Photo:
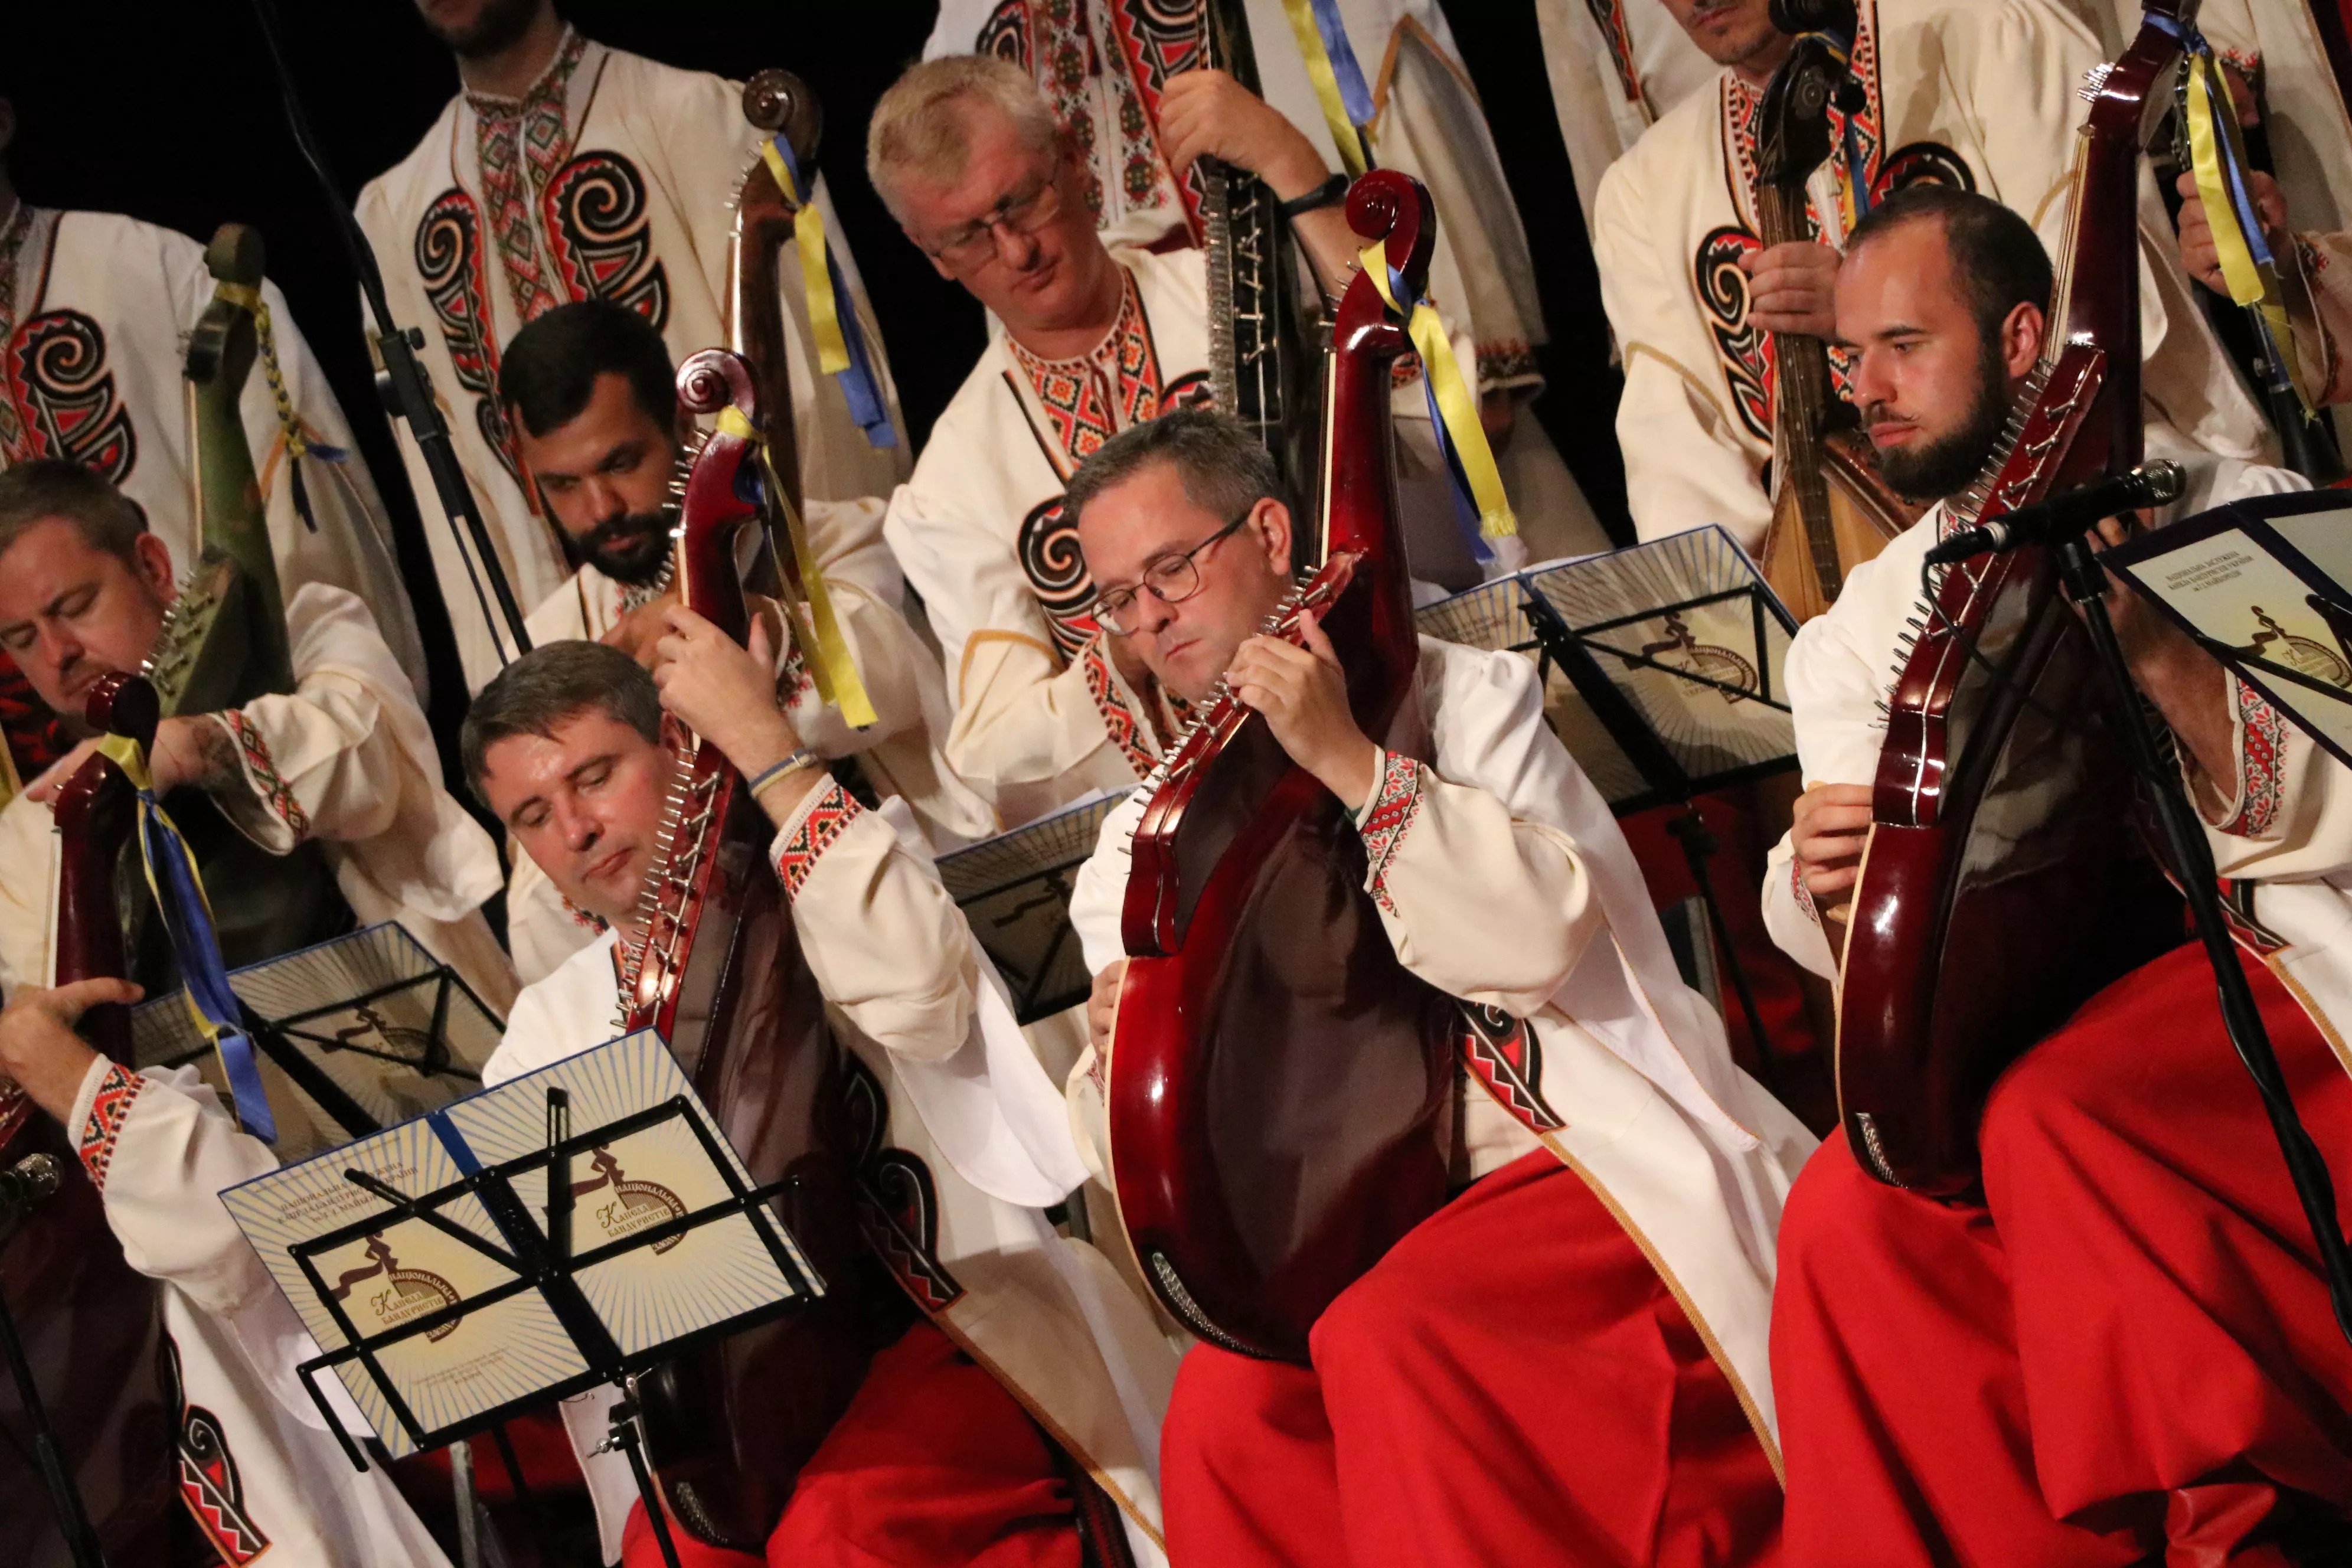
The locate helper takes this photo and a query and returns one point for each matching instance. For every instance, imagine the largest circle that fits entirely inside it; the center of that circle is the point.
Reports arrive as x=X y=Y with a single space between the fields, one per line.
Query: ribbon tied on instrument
x=299 y=443
x=187 y=914
x=2218 y=158
x=1338 y=79
x=830 y=666
x=840 y=344
x=1453 y=407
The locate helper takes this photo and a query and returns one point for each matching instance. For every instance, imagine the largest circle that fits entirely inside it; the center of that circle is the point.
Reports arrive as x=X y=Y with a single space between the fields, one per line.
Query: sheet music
x=394 y=1027
x=1015 y=889
x=516 y=1349
x=1684 y=626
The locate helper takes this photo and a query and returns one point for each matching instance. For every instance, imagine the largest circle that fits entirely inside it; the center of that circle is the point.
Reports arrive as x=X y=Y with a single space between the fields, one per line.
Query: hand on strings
x=1208 y=114
x=38 y=1047
x=637 y=630
x=1792 y=287
x=196 y=750
x=722 y=691
x=1303 y=693
x=2199 y=256
x=1102 y=1005
x=1827 y=834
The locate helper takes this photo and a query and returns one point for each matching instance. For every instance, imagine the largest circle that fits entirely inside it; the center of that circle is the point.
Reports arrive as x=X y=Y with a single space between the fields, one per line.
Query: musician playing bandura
x=1566 y=1363
x=255 y=1464
x=563 y=170
x=940 y=1458
x=2122 y=1349
x=1975 y=93
x=1093 y=340
x=306 y=811
x=591 y=396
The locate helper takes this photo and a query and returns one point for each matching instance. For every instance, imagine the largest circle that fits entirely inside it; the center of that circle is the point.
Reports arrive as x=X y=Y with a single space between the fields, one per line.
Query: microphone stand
x=65 y=1498
x=2084 y=583
x=404 y=384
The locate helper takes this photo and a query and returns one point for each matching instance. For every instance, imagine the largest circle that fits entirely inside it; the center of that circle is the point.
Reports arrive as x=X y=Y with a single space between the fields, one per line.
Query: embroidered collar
x=1104 y=354
x=1094 y=396
x=551 y=83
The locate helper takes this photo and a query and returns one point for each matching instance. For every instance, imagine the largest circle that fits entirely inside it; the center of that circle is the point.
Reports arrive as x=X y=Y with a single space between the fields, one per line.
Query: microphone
x=24 y=1184
x=2063 y=516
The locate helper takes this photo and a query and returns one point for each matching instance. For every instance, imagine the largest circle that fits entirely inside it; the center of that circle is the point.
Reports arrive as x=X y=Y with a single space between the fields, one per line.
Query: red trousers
x=1511 y=1385
x=2128 y=1350
x=932 y=1464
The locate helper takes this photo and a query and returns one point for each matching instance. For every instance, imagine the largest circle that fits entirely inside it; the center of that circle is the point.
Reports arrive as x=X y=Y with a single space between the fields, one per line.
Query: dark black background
x=168 y=111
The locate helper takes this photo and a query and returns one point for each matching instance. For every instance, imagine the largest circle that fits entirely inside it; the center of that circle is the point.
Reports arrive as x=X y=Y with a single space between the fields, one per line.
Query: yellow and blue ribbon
x=1337 y=79
x=840 y=351
x=187 y=914
x=2217 y=156
x=1483 y=509
x=830 y=666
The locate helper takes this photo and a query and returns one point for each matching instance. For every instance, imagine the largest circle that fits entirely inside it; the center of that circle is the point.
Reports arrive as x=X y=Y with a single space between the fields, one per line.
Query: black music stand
x=1621 y=628
x=531 y=1264
x=1015 y=889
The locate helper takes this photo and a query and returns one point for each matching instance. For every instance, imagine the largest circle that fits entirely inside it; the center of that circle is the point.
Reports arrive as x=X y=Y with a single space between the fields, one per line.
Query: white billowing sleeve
x=158 y=1147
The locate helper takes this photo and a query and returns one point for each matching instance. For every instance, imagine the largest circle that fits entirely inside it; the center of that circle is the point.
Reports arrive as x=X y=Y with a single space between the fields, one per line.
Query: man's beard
x=499 y=26
x=630 y=548
x=1932 y=470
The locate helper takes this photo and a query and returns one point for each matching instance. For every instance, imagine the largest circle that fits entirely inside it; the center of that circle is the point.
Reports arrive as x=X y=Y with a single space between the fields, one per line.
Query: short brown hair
x=1225 y=469
x=550 y=685
x=48 y=488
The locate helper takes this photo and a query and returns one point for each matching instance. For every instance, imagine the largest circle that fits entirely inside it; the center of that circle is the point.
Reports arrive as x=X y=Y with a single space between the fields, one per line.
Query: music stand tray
x=353 y=1034
x=2260 y=584
x=1015 y=889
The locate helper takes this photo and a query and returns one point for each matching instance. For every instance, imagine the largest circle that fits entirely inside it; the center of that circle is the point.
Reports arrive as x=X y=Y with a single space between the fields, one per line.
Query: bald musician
x=1566 y=1363
x=1090 y=341
x=2124 y=1350
x=1979 y=94
x=1024 y=1341
x=563 y=170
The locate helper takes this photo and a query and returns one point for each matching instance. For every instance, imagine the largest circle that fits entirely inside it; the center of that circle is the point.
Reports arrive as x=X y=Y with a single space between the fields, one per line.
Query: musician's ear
x=2020 y=340
x=150 y=562
x=1270 y=522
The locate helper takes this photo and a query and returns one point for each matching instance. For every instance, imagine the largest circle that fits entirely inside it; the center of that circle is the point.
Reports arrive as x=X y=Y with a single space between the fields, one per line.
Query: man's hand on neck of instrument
x=193 y=753
x=1303 y=693
x=39 y=1051
x=1208 y=114
x=726 y=693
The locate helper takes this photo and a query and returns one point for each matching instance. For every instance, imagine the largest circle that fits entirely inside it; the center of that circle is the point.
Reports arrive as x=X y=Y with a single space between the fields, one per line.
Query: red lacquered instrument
x=2003 y=883
x=718 y=972
x=93 y=1326
x=1278 y=1081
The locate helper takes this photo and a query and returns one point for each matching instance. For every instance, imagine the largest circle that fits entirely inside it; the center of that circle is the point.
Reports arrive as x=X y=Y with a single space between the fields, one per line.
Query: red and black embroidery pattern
x=601 y=233
x=1609 y=15
x=34 y=736
x=66 y=405
x=1503 y=1053
x=448 y=252
x=103 y=1127
x=897 y=1206
x=2261 y=752
x=15 y=239
x=1126 y=729
x=1743 y=350
x=1923 y=164
x=210 y=1484
x=521 y=144
x=276 y=793
x=826 y=819
x=1056 y=569
x=1157 y=39
x=1395 y=805
x=1087 y=401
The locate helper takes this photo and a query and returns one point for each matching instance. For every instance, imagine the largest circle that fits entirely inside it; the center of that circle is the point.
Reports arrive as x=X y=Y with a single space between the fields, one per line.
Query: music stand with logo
x=448 y=1270
x=1675 y=651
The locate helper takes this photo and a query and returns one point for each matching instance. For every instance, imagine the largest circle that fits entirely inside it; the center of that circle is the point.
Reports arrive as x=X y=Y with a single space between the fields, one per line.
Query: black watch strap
x=1329 y=193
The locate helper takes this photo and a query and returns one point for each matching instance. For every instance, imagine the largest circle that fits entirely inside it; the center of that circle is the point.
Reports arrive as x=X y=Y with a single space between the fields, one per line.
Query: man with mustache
x=2123 y=1349
x=590 y=394
x=557 y=156
x=1979 y=94
x=1565 y=1364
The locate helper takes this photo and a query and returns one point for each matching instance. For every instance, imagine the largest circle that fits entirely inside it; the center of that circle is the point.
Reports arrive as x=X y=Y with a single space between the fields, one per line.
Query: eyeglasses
x=1023 y=210
x=1171 y=578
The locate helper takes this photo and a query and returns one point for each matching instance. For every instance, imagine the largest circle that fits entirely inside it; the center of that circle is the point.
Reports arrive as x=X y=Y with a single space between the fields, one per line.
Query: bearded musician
x=2125 y=1350
x=1579 y=1334
x=943 y=1455
x=1979 y=94
x=1140 y=96
x=308 y=810
x=590 y=398
x=564 y=171
x=1092 y=341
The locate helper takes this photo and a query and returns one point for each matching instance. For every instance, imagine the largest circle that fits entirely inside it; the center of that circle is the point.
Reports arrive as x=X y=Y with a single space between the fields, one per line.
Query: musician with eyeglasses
x=564 y=170
x=2120 y=1348
x=1566 y=1363
x=1090 y=341
x=1020 y=1359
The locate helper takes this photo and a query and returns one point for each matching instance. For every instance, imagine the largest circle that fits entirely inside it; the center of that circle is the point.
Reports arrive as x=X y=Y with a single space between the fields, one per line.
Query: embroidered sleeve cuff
x=287 y=824
x=2261 y=749
x=822 y=817
x=100 y=1112
x=1111 y=699
x=1804 y=894
x=1384 y=820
